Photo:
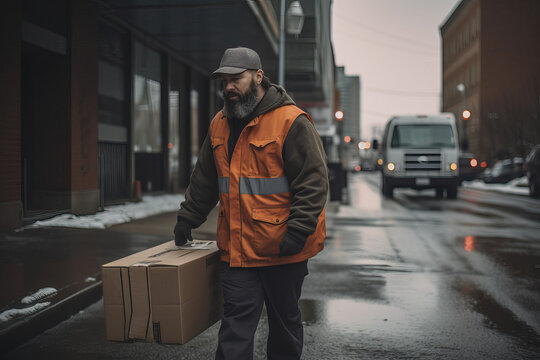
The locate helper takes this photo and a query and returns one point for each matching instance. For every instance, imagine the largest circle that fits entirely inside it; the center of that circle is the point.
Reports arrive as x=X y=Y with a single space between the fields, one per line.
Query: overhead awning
x=199 y=31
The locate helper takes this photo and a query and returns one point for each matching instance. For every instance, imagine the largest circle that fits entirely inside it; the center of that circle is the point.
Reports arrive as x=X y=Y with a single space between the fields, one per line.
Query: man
x=265 y=162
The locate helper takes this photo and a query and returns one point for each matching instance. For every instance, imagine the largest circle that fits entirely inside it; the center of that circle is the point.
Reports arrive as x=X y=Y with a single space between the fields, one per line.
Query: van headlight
x=390 y=166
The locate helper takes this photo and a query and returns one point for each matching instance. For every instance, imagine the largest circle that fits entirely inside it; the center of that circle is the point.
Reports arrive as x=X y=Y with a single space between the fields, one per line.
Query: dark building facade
x=349 y=103
x=104 y=98
x=107 y=99
x=491 y=67
x=49 y=122
x=310 y=69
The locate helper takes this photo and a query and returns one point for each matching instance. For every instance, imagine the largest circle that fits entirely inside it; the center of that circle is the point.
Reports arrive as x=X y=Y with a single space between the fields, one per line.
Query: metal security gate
x=113 y=172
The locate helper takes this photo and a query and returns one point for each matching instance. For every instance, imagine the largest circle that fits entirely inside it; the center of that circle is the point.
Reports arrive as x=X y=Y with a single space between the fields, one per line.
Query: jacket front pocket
x=270 y=224
x=264 y=157
x=223 y=230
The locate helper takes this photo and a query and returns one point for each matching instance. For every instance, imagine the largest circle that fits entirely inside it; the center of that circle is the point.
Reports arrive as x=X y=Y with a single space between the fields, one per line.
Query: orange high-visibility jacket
x=254 y=192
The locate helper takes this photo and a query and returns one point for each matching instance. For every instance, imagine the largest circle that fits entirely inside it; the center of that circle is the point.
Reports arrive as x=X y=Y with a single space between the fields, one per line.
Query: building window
x=112 y=65
x=174 y=138
x=111 y=94
x=194 y=99
x=147 y=100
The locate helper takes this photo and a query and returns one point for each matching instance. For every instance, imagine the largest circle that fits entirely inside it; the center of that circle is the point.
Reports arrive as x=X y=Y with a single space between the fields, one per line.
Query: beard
x=243 y=106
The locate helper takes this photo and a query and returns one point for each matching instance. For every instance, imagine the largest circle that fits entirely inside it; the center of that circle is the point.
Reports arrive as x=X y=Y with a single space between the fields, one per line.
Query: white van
x=420 y=152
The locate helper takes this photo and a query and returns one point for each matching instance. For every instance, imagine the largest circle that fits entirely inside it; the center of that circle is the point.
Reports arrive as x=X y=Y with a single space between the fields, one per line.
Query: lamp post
x=339 y=116
x=463 y=131
x=295 y=22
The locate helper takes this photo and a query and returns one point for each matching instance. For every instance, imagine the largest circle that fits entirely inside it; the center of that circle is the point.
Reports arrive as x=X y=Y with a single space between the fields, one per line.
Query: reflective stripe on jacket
x=254 y=194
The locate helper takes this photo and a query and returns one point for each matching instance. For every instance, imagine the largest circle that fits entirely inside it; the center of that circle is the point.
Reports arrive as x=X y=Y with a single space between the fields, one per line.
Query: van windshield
x=424 y=135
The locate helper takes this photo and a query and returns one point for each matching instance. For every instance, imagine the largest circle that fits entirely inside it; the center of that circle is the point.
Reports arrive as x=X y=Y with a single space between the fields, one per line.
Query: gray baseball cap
x=237 y=60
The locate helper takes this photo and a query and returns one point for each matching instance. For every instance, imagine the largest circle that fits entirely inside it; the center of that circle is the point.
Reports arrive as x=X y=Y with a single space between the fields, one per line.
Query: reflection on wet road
x=424 y=277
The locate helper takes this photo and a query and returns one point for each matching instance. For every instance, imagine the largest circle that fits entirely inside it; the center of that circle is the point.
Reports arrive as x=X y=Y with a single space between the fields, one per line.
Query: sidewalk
x=65 y=264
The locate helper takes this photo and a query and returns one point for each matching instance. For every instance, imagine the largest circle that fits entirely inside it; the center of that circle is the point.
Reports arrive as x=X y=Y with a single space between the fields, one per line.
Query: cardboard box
x=167 y=294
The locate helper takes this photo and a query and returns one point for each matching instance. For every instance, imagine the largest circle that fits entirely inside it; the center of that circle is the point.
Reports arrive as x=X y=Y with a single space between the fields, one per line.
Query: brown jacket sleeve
x=307 y=173
x=202 y=193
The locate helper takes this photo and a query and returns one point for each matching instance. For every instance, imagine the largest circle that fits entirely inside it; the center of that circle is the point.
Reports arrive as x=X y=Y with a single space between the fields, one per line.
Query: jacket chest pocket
x=265 y=158
x=220 y=155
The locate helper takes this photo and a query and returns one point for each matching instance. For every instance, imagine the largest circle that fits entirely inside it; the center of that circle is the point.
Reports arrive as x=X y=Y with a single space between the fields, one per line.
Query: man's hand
x=182 y=233
x=291 y=244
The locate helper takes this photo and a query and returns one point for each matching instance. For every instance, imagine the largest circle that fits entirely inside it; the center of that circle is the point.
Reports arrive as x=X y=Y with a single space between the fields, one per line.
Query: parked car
x=368 y=166
x=532 y=167
x=503 y=171
x=469 y=167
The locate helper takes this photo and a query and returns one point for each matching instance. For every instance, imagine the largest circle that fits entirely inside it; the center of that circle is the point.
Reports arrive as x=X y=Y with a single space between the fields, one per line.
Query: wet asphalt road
x=412 y=277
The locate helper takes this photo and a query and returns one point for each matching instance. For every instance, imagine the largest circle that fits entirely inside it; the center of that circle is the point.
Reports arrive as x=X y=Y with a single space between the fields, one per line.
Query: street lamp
x=463 y=90
x=340 y=116
x=295 y=22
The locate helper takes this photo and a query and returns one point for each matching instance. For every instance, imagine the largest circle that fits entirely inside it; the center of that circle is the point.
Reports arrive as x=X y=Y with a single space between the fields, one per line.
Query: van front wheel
x=387 y=189
x=451 y=191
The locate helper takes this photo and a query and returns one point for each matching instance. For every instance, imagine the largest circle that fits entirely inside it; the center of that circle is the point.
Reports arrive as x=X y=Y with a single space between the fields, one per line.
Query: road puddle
x=496 y=316
x=350 y=316
x=470 y=210
x=518 y=257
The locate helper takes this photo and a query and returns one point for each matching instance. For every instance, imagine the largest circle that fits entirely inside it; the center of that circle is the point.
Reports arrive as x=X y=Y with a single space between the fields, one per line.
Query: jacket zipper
x=239 y=200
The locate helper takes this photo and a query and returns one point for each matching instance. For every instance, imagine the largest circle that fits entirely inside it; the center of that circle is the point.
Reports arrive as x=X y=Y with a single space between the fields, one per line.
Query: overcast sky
x=394 y=45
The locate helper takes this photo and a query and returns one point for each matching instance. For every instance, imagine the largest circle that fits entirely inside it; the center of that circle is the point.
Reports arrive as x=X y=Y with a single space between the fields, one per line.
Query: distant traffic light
x=347 y=139
x=466 y=114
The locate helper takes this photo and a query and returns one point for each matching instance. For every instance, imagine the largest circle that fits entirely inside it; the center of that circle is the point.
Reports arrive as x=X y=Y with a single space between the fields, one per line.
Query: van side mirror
x=375 y=143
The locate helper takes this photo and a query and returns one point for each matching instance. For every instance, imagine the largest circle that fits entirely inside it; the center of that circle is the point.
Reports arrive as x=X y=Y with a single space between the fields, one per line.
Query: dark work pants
x=245 y=290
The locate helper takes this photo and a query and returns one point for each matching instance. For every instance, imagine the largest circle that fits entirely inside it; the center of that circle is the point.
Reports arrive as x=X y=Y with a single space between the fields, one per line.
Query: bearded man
x=264 y=161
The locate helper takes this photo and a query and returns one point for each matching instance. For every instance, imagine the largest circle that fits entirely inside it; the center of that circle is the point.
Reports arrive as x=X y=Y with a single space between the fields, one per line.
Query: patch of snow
x=11 y=313
x=117 y=214
x=520 y=182
x=40 y=294
x=517 y=186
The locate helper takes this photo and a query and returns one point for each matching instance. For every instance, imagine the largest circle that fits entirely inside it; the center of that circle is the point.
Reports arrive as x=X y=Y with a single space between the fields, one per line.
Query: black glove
x=292 y=243
x=182 y=232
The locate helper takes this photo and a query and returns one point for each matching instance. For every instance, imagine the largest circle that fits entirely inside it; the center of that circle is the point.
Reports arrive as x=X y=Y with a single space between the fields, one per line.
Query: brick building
x=491 y=67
